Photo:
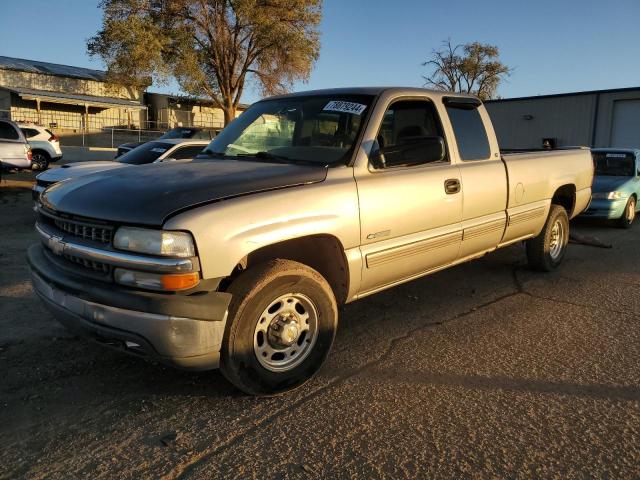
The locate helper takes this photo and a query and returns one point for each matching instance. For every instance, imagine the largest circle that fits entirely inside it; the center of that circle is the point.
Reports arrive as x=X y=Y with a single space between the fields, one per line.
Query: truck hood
x=77 y=169
x=149 y=194
x=605 y=183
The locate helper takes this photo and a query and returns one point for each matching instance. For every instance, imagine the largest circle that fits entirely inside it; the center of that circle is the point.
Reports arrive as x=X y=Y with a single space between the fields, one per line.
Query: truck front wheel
x=282 y=321
x=546 y=251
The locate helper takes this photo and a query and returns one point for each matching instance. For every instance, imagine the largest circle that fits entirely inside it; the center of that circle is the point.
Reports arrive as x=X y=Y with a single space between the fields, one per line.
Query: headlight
x=154 y=242
x=607 y=196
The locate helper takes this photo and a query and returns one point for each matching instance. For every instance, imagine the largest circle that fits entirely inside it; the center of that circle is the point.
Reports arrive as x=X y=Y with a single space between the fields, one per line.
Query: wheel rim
x=286 y=332
x=631 y=211
x=556 y=243
x=39 y=160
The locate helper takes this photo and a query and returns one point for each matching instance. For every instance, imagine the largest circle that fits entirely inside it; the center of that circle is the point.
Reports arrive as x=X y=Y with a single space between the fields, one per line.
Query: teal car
x=616 y=185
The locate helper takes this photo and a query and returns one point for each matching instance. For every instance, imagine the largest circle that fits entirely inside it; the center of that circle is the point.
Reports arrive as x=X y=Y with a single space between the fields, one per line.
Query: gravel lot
x=483 y=370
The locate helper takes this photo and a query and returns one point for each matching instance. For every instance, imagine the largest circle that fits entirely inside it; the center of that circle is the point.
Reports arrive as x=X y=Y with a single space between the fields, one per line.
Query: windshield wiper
x=270 y=157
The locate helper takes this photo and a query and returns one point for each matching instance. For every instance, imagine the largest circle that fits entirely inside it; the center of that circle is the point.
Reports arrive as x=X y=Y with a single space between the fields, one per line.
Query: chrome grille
x=95 y=266
x=96 y=233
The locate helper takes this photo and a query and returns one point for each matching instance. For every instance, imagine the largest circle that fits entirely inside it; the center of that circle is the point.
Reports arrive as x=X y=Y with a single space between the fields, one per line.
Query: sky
x=554 y=46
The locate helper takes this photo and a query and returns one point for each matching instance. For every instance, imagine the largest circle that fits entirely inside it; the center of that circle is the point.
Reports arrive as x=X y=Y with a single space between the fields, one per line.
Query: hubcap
x=557 y=240
x=286 y=332
x=631 y=211
x=38 y=160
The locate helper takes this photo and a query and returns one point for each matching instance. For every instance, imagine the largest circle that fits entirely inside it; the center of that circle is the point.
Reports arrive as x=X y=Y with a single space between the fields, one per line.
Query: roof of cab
x=373 y=91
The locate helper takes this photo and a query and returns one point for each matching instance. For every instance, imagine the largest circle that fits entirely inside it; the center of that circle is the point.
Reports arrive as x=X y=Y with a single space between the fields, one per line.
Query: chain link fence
x=79 y=130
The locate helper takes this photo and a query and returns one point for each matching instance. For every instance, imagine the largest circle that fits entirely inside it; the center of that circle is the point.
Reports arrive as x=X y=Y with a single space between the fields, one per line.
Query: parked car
x=240 y=259
x=178 y=132
x=616 y=185
x=45 y=145
x=156 y=151
x=15 y=151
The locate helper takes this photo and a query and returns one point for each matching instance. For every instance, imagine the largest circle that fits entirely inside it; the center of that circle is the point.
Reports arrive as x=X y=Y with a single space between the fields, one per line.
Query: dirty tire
x=254 y=291
x=543 y=253
x=629 y=215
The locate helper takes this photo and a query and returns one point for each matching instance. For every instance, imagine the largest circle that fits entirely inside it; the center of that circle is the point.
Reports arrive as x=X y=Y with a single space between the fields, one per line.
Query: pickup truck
x=240 y=259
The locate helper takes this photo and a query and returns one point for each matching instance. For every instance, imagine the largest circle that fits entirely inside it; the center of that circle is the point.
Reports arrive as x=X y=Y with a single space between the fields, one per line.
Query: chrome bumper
x=183 y=342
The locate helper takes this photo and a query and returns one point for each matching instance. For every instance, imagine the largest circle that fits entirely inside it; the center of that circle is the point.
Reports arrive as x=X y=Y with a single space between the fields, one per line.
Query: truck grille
x=83 y=230
x=90 y=264
x=78 y=228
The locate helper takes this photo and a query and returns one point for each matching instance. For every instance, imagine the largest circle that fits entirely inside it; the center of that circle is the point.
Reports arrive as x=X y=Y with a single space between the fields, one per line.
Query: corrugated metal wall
x=572 y=119
x=524 y=123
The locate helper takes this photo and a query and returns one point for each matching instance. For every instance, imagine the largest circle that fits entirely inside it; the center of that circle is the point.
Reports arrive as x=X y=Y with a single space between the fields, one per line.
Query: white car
x=177 y=149
x=15 y=152
x=45 y=145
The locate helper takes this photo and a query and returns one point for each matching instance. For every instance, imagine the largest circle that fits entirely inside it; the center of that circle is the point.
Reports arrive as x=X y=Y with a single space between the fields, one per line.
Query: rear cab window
x=469 y=130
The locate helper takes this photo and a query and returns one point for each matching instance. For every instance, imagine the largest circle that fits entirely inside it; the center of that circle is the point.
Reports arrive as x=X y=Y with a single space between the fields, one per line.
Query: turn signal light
x=156 y=281
x=180 y=281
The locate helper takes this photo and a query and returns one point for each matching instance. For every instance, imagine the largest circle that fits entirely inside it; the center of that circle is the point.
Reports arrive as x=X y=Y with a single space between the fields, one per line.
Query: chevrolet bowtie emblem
x=56 y=245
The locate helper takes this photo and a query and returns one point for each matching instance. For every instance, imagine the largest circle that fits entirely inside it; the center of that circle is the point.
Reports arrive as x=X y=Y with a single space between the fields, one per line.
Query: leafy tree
x=211 y=47
x=470 y=68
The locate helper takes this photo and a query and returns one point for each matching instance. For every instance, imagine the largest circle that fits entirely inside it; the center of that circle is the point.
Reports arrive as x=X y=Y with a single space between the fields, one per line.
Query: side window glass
x=410 y=134
x=7 y=132
x=29 y=132
x=471 y=136
x=187 y=152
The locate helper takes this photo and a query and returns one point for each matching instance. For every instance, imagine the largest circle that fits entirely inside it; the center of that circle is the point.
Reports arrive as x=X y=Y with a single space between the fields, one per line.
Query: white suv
x=15 y=152
x=45 y=145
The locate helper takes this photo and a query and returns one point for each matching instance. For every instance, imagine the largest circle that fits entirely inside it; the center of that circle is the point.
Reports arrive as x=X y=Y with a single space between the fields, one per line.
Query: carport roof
x=73 y=99
x=34 y=66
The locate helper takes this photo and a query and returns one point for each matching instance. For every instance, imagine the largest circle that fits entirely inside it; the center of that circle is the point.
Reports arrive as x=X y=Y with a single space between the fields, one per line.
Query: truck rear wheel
x=546 y=251
x=282 y=321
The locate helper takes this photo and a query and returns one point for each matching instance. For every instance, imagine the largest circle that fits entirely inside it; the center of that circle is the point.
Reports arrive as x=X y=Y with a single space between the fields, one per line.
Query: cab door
x=484 y=215
x=410 y=197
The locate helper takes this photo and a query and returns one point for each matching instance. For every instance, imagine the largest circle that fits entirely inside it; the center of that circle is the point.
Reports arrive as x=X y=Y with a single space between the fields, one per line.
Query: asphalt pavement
x=485 y=370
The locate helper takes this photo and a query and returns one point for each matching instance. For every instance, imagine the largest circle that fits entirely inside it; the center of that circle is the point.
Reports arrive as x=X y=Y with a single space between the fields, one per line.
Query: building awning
x=72 y=99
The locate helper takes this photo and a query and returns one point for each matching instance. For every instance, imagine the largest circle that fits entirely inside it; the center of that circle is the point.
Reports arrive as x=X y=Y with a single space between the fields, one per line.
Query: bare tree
x=211 y=47
x=470 y=68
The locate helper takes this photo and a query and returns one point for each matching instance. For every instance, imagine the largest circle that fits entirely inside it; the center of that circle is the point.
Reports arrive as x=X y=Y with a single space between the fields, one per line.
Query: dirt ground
x=483 y=370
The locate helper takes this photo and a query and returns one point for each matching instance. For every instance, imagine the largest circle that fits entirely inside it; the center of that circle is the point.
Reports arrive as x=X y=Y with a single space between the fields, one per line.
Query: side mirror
x=417 y=151
x=168 y=159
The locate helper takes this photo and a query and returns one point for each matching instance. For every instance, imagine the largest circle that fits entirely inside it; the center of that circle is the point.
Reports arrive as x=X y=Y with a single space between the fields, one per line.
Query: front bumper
x=179 y=330
x=610 y=209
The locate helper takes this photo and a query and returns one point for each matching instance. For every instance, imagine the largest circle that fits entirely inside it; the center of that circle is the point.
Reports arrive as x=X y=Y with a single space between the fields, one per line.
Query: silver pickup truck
x=240 y=259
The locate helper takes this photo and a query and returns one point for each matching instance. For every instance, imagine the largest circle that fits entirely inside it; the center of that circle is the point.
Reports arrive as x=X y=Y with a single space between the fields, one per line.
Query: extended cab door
x=483 y=175
x=410 y=196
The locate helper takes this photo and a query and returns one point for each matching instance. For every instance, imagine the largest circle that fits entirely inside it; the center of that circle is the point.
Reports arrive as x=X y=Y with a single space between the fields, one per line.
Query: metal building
x=599 y=118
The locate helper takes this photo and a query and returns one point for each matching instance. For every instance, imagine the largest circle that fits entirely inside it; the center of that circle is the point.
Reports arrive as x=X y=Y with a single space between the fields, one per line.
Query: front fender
x=227 y=231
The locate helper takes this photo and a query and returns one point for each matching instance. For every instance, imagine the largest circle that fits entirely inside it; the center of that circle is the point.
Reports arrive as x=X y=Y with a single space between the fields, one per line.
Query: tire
x=629 y=214
x=546 y=251
x=265 y=349
x=40 y=160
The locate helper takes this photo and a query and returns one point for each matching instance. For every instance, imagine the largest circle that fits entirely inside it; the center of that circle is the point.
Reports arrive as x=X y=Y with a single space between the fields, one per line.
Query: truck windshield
x=146 y=153
x=617 y=164
x=315 y=129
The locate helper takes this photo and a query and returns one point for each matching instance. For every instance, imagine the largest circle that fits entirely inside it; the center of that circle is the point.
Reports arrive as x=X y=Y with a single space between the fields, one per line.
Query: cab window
x=471 y=136
x=410 y=135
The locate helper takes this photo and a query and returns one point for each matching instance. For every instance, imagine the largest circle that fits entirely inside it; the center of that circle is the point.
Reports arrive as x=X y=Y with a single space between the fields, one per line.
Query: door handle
x=451 y=186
